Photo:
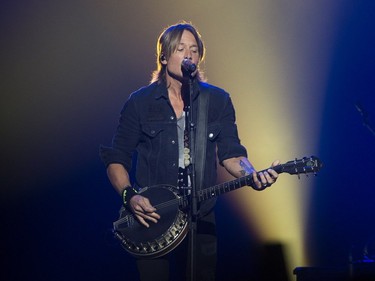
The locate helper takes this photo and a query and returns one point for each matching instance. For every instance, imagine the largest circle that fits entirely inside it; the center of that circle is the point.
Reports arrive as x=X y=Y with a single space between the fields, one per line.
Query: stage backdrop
x=301 y=76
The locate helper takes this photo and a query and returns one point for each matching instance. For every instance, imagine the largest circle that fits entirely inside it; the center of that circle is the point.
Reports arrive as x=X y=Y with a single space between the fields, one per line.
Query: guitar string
x=157 y=207
x=207 y=191
x=205 y=194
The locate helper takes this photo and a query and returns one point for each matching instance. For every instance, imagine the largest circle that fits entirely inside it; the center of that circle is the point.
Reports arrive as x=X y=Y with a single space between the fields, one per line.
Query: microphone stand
x=193 y=204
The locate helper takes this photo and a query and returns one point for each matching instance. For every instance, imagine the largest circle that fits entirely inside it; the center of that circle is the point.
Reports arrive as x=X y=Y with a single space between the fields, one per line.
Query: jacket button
x=152 y=132
x=210 y=135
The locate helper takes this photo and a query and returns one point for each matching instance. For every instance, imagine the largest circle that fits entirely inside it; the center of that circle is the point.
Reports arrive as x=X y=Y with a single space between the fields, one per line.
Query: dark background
x=67 y=68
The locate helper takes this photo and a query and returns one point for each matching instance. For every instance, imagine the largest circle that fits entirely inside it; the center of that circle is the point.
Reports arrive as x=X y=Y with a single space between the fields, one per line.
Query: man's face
x=187 y=48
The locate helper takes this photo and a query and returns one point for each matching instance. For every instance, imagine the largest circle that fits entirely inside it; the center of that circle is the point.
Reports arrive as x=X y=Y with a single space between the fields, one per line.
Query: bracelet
x=127 y=194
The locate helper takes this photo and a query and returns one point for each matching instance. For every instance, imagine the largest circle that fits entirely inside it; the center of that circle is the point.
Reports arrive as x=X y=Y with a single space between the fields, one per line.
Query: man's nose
x=188 y=55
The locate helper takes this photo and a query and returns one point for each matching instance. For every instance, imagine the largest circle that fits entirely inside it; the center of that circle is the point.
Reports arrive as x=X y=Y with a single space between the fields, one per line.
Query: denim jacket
x=147 y=129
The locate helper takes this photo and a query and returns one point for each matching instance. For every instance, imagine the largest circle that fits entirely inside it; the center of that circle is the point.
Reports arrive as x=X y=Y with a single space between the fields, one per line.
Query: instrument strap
x=201 y=136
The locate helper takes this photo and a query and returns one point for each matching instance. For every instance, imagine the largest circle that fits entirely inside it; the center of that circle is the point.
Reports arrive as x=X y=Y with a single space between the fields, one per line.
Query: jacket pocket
x=152 y=130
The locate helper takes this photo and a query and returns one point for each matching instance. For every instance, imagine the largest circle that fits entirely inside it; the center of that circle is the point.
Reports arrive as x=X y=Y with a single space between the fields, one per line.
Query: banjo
x=162 y=237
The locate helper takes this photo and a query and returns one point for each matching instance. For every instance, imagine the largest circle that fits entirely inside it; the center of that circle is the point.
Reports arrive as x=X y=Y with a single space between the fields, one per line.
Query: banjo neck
x=217 y=190
x=304 y=165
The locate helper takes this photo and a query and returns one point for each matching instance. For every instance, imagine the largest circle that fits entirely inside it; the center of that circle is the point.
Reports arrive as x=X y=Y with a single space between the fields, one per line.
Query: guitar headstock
x=304 y=165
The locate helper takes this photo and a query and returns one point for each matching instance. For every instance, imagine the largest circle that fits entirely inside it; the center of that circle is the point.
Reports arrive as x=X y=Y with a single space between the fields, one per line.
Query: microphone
x=188 y=65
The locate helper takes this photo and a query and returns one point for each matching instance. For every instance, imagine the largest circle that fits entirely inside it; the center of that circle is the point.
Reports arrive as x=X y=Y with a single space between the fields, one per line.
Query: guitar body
x=160 y=238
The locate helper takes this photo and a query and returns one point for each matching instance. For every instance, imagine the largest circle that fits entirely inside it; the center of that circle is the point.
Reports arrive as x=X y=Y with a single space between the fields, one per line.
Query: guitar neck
x=216 y=190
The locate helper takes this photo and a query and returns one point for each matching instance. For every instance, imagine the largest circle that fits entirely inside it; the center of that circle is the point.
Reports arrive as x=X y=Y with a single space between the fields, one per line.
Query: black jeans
x=174 y=266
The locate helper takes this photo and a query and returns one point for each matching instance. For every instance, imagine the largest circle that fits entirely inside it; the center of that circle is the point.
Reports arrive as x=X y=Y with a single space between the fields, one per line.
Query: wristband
x=127 y=194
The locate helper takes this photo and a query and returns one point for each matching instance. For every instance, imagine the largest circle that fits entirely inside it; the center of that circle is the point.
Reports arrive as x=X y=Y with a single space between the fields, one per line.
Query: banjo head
x=161 y=237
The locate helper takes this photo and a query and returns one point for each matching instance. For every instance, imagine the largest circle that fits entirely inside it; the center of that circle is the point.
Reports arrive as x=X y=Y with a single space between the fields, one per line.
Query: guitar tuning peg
x=306 y=174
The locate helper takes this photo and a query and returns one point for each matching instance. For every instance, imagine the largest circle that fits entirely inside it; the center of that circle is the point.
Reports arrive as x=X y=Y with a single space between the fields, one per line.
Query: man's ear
x=163 y=59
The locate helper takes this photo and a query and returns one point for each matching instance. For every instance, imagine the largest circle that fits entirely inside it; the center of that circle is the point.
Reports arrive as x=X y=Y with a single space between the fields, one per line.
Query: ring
x=265 y=184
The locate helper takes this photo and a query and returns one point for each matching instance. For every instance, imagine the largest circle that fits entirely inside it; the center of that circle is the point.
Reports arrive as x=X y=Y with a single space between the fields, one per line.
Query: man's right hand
x=143 y=210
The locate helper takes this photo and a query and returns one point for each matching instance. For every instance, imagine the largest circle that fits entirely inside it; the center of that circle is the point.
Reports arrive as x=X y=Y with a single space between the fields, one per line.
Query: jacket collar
x=162 y=91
